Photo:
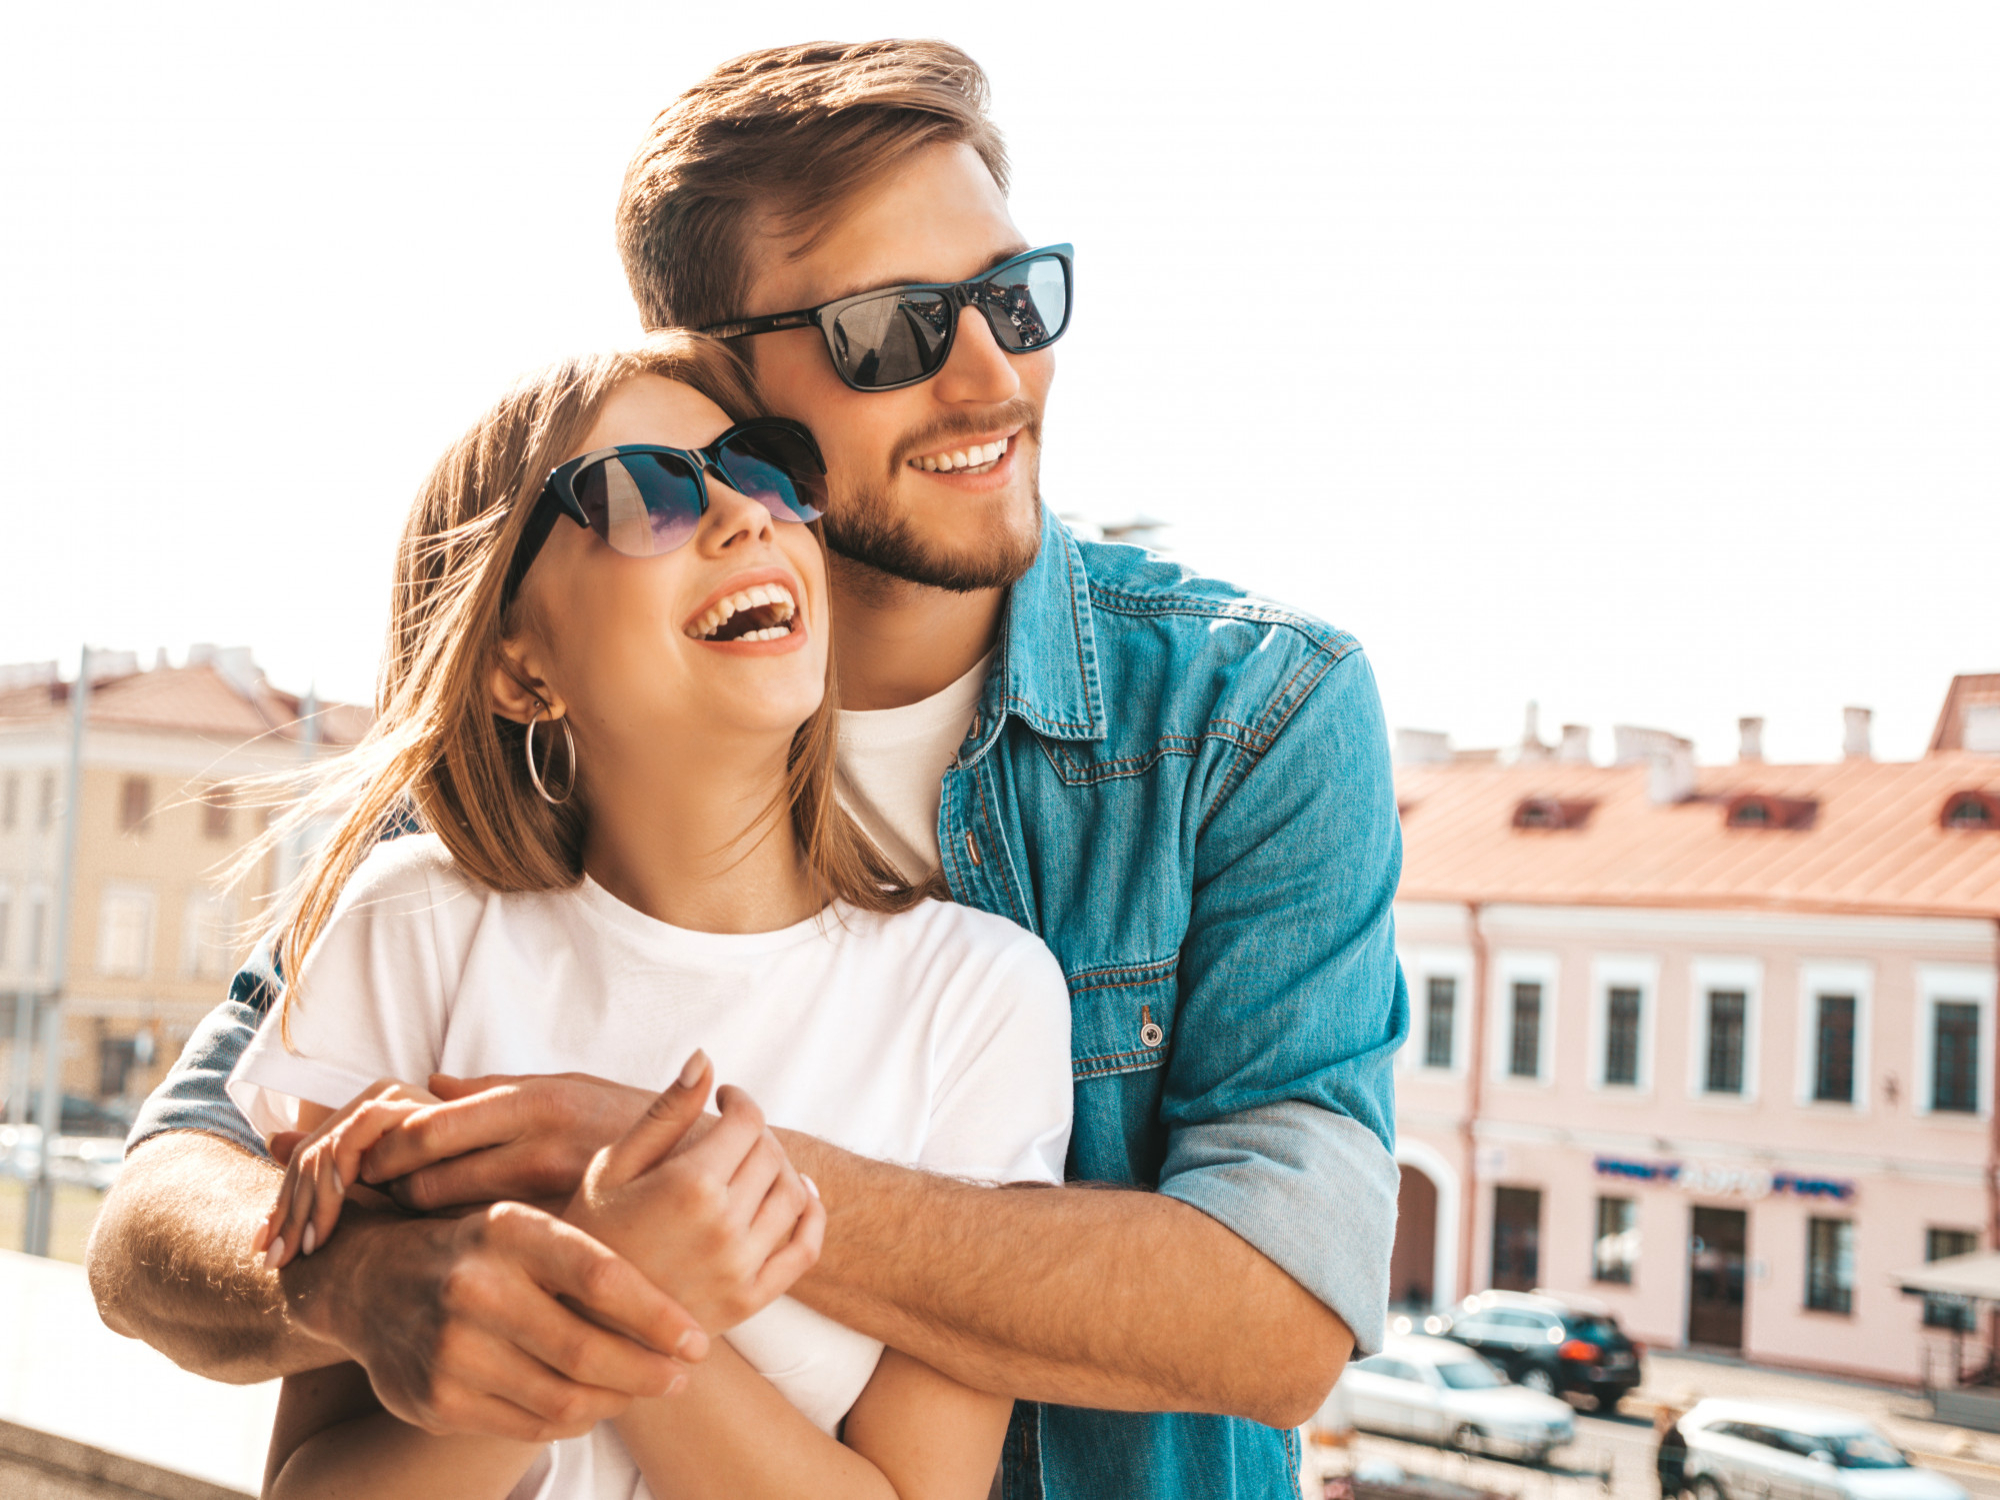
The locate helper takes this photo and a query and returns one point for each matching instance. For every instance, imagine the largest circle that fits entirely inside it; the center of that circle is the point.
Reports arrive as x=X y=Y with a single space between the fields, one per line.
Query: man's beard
x=862 y=526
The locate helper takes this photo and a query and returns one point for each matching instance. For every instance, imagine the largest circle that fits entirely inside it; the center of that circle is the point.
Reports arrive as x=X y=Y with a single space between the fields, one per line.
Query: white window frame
x=1830 y=976
x=1624 y=971
x=1937 y=982
x=138 y=895
x=1511 y=967
x=1420 y=967
x=200 y=904
x=1705 y=974
x=11 y=952
x=37 y=937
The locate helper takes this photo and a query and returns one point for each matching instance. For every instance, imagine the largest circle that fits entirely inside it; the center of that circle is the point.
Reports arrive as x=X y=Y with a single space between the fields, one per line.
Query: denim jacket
x=1185 y=791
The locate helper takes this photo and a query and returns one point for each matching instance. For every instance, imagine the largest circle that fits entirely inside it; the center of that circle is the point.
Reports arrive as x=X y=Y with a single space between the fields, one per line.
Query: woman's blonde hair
x=438 y=759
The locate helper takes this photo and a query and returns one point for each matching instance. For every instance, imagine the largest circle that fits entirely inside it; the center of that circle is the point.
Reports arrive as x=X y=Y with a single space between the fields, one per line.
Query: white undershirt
x=890 y=774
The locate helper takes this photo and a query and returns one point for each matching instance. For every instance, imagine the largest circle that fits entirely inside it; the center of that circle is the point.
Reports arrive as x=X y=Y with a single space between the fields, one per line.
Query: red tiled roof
x=1875 y=844
x=189 y=700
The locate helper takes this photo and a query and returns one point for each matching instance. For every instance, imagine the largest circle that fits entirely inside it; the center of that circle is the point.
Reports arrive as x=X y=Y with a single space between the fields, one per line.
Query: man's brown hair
x=789 y=131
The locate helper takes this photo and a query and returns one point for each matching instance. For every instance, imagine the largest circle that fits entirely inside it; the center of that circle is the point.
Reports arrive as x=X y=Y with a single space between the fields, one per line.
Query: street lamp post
x=42 y=1194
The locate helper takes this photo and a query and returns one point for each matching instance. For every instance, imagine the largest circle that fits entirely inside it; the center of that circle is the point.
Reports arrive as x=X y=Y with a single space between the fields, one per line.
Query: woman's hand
x=724 y=1226
x=324 y=1163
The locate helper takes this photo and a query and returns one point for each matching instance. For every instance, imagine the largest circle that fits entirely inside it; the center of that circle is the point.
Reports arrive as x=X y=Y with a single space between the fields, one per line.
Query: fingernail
x=678 y=1384
x=309 y=1240
x=691 y=1069
x=687 y=1343
x=811 y=1186
x=339 y=1187
x=275 y=1254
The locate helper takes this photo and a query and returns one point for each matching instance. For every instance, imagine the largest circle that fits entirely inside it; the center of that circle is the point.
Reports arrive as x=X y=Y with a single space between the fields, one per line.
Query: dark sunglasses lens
x=642 y=504
x=892 y=340
x=1028 y=303
x=776 y=468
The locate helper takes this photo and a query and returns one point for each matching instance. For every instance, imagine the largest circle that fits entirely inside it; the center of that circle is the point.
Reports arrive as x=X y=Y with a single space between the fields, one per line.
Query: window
x=1517 y=1239
x=45 y=813
x=1440 y=1018
x=1833 y=1052
x=1955 y=1057
x=1614 y=1254
x=10 y=801
x=6 y=926
x=207 y=936
x=1830 y=1265
x=215 y=807
x=1726 y=1013
x=1621 y=1035
x=125 y=933
x=135 y=802
x=1524 y=1058
x=1945 y=1311
x=1976 y=811
x=38 y=932
x=1756 y=810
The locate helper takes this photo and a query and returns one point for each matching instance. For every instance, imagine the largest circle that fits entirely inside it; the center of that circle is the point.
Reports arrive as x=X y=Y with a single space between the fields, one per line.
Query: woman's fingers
x=776 y=1217
x=756 y=1177
x=798 y=1255
x=666 y=1120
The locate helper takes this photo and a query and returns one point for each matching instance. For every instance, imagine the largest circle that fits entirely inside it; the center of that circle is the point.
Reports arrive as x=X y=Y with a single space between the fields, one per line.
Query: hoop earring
x=569 y=743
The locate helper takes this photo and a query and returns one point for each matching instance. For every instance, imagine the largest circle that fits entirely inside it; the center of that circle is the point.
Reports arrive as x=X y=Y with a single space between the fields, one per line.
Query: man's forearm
x=1112 y=1298
x=170 y=1263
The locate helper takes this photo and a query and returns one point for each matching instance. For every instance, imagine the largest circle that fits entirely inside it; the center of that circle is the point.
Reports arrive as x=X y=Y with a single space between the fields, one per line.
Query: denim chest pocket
x=1121 y=1017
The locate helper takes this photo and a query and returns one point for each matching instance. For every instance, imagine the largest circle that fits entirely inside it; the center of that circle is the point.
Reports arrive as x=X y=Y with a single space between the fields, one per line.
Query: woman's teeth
x=968 y=460
x=762 y=612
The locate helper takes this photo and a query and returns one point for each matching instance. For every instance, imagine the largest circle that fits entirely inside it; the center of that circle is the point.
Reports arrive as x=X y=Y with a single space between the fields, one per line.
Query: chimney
x=1749 y=739
x=1575 y=749
x=1854 y=743
x=1671 y=766
x=1532 y=747
x=1422 y=747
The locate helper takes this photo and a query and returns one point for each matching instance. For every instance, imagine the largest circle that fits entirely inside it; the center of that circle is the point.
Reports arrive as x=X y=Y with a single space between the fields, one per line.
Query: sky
x=1643 y=361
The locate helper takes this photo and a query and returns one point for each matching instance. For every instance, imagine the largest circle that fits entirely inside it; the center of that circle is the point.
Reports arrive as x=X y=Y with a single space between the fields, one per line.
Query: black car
x=1549 y=1344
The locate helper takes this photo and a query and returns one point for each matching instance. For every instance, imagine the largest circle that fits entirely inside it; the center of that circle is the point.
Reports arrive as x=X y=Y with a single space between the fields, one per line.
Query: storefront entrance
x=1517 y=1238
x=1717 y=1240
x=1415 y=1258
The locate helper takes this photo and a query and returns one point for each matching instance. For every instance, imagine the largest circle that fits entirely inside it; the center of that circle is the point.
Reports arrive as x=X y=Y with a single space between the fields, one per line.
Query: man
x=1183 y=789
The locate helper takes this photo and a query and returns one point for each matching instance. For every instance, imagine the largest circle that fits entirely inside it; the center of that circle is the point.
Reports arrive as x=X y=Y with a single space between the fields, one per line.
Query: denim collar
x=1047 y=672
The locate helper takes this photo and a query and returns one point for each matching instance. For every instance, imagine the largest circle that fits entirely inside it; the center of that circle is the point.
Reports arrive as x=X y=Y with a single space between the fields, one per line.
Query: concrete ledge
x=40 y=1466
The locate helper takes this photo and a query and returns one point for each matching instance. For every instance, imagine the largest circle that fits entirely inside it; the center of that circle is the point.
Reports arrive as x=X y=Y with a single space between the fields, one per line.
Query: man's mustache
x=941 y=433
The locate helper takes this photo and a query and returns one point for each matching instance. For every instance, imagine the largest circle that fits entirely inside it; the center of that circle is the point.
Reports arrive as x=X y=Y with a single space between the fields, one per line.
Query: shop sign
x=1716 y=1181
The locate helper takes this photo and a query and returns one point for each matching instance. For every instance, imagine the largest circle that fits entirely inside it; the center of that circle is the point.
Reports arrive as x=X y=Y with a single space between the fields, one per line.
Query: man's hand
x=321 y=1164
x=503 y=1136
x=727 y=1225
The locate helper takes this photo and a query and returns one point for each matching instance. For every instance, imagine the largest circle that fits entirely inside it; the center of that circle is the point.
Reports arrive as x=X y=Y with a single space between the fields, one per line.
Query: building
x=1713 y=1044
x=153 y=935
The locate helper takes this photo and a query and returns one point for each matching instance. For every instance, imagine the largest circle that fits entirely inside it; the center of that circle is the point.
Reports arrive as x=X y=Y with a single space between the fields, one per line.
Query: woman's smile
x=754 y=613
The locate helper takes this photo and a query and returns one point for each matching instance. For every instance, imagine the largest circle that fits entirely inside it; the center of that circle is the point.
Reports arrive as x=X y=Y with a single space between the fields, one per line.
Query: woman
x=606 y=561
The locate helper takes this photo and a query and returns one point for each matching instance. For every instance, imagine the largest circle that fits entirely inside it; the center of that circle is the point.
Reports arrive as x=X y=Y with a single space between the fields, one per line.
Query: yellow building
x=154 y=936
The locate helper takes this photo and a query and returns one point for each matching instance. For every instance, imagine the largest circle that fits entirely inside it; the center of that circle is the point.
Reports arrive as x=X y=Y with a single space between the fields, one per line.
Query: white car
x=1770 y=1450
x=1440 y=1391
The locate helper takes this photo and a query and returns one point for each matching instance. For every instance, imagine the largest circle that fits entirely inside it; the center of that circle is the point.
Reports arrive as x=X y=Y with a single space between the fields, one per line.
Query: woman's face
x=629 y=646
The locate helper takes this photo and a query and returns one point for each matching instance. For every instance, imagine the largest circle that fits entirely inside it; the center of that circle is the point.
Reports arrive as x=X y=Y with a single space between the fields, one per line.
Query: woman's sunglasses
x=643 y=499
x=902 y=335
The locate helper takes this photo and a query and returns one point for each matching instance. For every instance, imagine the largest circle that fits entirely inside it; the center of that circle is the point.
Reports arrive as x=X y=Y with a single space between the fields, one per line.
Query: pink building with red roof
x=1715 y=1044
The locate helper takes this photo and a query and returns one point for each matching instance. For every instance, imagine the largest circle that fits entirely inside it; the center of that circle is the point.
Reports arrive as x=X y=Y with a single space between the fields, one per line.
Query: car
x=81 y=1116
x=1549 y=1343
x=1772 y=1450
x=1441 y=1392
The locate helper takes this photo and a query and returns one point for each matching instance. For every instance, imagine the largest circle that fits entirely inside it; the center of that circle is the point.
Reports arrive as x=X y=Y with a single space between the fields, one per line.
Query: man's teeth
x=774 y=598
x=980 y=456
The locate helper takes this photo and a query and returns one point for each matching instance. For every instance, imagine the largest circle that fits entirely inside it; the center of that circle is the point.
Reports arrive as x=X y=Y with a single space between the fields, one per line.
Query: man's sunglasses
x=644 y=500
x=900 y=335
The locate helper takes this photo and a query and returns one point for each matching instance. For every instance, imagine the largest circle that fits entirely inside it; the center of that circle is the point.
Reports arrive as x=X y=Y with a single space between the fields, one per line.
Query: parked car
x=1550 y=1343
x=1770 y=1450
x=81 y=1116
x=1442 y=1392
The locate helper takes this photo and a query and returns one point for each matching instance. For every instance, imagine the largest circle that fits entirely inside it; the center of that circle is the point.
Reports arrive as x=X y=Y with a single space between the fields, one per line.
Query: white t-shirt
x=938 y=1037
x=890 y=775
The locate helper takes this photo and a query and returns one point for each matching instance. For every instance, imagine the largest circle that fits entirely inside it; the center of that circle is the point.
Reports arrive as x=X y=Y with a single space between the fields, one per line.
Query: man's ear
x=515 y=686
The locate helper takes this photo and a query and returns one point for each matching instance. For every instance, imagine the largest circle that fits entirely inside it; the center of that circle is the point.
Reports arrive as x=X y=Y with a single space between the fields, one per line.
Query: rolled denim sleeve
x=1279 y=1099
x=192 y=1095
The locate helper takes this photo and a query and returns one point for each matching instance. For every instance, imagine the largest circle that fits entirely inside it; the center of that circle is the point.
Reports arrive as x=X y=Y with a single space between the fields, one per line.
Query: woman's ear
x=516 y=687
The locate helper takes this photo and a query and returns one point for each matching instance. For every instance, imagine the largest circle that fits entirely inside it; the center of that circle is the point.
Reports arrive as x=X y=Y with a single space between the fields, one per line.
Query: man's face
x=939 y=218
